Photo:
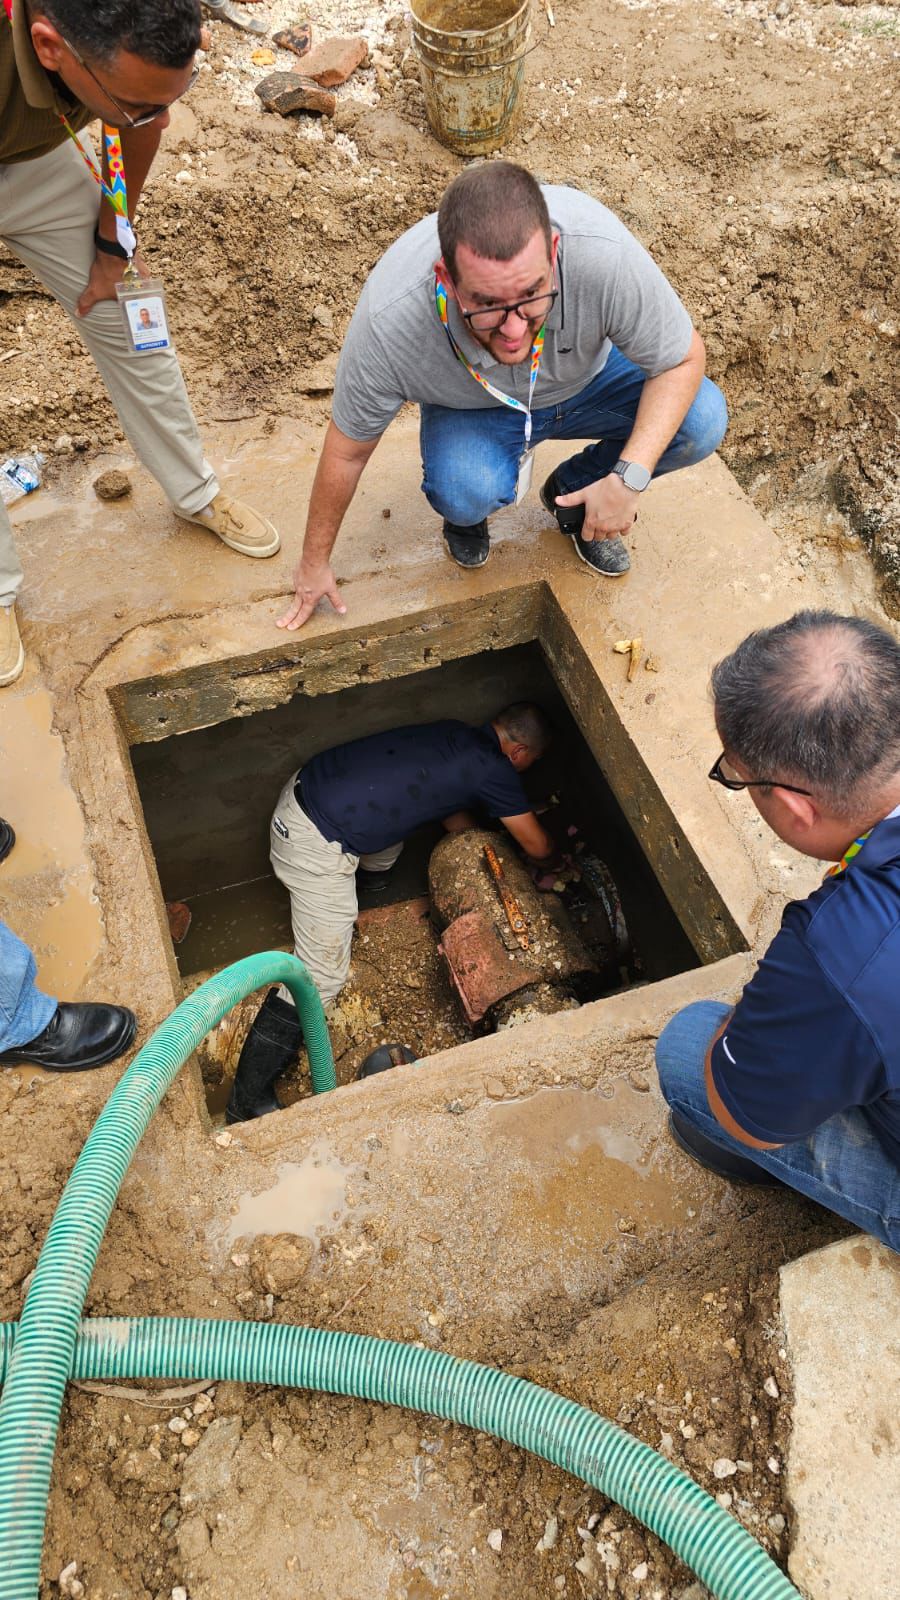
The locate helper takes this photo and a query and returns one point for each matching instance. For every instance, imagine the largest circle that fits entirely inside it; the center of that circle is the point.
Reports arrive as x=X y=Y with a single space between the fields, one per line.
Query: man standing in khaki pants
x=64 y=63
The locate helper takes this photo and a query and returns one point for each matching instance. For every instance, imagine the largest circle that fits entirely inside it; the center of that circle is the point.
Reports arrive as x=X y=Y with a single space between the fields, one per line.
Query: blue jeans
x=470 y=459
x=24 y=1010
x=843 y=1165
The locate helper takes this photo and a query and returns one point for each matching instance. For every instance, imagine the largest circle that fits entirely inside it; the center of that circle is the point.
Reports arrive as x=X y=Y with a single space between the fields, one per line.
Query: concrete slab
x=841 y=1311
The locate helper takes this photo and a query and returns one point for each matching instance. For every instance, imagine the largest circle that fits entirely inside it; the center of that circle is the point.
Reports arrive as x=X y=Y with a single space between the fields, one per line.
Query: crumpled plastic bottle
x=20 y=475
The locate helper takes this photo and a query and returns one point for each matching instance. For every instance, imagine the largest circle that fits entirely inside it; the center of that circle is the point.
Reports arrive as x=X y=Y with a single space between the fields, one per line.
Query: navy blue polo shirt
x=373 y=792
x=817 y=1030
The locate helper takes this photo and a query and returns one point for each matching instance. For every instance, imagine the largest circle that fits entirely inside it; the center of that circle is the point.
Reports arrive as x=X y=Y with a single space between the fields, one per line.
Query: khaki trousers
x=320 y=878
x=48 y=212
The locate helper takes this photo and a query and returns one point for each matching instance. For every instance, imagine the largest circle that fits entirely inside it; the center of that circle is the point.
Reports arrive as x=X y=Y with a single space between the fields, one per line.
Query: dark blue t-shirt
x=817 y=1030
x=373 y=792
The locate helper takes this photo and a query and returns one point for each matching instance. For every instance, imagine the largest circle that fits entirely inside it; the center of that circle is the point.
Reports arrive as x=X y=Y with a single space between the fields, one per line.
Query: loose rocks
x=298 y=37
x=332 y=61
x=113 y=485
x=287 y=92
x=278 y=1262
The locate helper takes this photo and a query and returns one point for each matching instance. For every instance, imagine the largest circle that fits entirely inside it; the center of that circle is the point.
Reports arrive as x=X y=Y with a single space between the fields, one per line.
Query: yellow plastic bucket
x=472 y=62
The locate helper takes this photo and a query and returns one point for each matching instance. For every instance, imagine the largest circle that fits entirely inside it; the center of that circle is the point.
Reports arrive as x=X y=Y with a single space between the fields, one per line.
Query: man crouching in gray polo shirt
x=518 y=313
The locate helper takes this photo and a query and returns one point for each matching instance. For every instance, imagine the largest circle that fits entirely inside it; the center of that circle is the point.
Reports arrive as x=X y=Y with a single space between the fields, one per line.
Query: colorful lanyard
x=115 y=191
x=851 y=851
x=440 y=300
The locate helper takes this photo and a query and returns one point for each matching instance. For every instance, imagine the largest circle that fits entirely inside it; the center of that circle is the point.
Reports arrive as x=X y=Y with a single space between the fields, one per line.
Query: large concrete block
x=841 y=1310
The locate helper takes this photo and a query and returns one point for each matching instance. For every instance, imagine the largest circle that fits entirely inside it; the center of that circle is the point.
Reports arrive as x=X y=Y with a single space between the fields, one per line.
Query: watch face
x=634 y=476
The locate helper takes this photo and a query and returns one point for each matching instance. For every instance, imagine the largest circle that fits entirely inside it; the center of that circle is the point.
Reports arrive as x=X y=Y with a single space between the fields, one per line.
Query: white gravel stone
x=495 y=1539
x=724 y=1468
x=772 y=1388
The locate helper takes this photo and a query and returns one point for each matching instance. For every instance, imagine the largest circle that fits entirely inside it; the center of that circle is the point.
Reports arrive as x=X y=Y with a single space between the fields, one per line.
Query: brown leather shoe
x=12 y=654
x=238 y=526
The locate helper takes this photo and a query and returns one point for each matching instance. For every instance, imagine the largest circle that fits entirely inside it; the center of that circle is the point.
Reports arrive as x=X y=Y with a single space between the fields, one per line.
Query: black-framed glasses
x=490 y=318
x=718 y=775
x=127 y=119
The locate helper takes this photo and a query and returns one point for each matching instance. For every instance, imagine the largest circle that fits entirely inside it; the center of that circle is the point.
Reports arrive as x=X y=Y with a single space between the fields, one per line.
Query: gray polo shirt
x=611 y=293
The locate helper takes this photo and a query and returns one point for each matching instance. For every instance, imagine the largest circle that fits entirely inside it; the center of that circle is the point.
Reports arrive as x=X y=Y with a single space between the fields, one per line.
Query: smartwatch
x=109 y=247
x=633 y=476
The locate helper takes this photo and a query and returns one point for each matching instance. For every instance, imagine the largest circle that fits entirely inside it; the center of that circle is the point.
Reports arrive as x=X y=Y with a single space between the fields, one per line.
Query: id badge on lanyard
x=142 y=300
x=526 y=473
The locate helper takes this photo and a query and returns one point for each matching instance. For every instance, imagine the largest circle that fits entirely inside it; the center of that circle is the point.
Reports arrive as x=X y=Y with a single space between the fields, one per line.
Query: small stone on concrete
x=771 y=1388
x=112 y=485
x=333 y=61
x=287 y=92
x=723 y=1468
x=495 y=1539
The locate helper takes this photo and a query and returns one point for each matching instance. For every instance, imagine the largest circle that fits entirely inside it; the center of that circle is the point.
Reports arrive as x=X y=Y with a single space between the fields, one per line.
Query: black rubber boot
x=712 y=1156
x=385 y=1057
x=270 y=1047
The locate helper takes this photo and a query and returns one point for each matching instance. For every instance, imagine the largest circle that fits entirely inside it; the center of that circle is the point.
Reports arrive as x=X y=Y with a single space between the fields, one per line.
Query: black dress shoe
x=385 y=1057
x=7 y=839
x=78 y=1036
x=715 y=1158
x=607 y=556
x=469 y=547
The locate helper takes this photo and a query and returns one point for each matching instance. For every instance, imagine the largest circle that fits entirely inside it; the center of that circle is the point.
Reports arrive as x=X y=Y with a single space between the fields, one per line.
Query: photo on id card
x=144 y=309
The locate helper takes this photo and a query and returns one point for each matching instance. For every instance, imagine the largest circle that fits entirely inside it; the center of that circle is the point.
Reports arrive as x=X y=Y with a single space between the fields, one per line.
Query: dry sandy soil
x=749 y=147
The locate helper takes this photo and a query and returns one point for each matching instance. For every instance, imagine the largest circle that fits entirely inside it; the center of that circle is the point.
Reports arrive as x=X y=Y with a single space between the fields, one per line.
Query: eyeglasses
x=128 y=120
x=719 y=775
x=493 y=317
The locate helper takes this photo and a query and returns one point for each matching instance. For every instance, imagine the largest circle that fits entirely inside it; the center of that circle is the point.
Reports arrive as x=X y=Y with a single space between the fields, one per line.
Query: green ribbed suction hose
x=41 y=1362
x=725 y=1558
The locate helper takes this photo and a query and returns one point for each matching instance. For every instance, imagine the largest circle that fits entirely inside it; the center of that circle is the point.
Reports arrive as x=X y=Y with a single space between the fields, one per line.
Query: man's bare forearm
x=664 y=404
x=340 y=468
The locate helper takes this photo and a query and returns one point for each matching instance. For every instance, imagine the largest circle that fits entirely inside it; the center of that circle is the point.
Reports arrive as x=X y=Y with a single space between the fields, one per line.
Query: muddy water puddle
x=586 y=1163
x=306 y=1198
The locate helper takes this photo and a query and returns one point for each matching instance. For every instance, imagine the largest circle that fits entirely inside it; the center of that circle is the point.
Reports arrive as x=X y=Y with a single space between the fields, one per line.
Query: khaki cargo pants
x=320 y=878
x=48 y=212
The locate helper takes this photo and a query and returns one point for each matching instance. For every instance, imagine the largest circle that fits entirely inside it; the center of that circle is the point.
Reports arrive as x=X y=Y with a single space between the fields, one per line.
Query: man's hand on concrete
x=106 y=272
x=311 y=584
x=609 y=507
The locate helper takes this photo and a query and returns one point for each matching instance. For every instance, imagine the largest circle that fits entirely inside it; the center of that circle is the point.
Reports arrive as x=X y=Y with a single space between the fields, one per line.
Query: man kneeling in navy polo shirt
x=351 y=808
x=800 y=1083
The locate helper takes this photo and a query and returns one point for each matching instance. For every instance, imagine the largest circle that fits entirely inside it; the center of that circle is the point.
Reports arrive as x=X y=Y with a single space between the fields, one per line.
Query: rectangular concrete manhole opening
x=434 y=963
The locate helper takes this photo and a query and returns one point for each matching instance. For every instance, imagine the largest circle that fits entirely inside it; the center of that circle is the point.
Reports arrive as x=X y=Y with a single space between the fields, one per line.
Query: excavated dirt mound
x=747 y=144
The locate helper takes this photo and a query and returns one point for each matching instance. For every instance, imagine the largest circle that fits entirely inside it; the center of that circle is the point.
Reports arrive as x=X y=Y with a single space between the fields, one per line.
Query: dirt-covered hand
x=311 y=583
x=610 y=508
x=106 y=272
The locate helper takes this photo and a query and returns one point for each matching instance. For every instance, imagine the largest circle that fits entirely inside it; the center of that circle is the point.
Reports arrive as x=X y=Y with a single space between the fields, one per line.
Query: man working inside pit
x=518 y=313
x=62 y=64
x=800 y=1082
x=351 y=807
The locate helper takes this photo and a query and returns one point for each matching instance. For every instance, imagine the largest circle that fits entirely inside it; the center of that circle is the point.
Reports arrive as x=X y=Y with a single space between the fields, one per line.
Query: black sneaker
x=608 y=556
x=469 y=547
x=724 y=1163
x=7 y=839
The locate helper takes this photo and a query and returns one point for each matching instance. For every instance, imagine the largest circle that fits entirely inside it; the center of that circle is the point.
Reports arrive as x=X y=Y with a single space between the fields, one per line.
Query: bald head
x=815 y=701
